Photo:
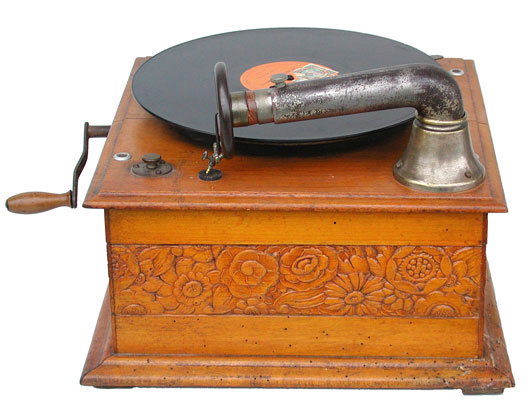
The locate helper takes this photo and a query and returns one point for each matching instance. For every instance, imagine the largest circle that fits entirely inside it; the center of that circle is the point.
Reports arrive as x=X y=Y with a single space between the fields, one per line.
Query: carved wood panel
x=297 y=280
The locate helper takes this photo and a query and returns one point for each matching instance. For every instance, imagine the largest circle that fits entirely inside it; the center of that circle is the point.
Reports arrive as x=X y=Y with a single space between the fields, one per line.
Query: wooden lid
x=357 y=178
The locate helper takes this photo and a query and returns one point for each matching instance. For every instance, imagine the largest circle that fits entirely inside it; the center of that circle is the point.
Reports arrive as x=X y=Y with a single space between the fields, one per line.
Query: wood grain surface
x=298 y=336
x=490 y=373
x=296 y=227
x=37 y=202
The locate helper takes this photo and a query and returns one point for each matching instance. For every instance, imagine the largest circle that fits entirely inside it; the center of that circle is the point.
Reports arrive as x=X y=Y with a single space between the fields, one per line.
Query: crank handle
x=37 y=202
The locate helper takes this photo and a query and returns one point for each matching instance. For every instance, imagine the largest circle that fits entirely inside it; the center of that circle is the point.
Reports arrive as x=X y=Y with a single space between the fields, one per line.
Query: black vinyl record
x=177 y=85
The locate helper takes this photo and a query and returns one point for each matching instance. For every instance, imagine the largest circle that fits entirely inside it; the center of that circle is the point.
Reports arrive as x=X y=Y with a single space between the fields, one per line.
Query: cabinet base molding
x=488 y=374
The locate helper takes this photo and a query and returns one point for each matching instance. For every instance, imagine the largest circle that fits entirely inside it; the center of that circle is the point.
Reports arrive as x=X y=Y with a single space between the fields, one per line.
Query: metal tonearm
x=439 y=156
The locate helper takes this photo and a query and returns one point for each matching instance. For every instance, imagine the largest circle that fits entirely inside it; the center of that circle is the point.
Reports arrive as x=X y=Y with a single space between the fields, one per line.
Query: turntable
x=314 y=214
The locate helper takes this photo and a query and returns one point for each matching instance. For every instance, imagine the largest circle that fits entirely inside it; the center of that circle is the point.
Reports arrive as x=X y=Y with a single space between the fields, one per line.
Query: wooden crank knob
x=37 y=202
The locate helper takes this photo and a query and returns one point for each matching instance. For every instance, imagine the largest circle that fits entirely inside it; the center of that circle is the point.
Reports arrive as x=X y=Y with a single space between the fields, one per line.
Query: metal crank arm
x=37 y=202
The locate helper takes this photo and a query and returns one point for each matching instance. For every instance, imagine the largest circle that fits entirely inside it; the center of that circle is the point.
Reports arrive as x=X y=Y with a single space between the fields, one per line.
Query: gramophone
x=334 y=237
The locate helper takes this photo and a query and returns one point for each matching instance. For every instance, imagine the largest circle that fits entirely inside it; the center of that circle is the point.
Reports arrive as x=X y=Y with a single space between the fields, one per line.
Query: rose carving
x=246 y=272
x=304 y=268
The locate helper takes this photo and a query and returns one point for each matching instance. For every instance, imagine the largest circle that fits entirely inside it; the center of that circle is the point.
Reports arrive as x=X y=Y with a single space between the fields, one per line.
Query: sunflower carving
x=357 y=293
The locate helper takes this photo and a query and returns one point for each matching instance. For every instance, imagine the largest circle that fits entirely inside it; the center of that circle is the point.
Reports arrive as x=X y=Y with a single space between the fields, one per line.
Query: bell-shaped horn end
x=439 y=157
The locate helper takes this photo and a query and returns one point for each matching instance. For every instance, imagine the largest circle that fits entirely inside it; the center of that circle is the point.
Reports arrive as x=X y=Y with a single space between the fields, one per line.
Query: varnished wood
x=311 y=270
x=101 y=345
x=155 y=288
x=363 y=281
x=300 y=227
x=494 y=337
x=490 y=372
x=355 y=179
x=37 y=202
x=298 y=336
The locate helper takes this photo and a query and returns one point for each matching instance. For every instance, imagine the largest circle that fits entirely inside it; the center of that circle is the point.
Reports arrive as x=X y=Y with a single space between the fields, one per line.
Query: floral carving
x=247 y=273
x=443 y=305
x=439 y=282
x=418 y=270
x=305 y=267
x=357 y=293
x=251 y=306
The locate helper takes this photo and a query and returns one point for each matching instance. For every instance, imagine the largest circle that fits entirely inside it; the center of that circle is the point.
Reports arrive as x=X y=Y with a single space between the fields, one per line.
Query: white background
x=63 y=63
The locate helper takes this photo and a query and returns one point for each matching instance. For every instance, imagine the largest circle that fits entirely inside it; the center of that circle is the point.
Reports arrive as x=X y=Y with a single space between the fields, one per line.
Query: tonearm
x=439 y=156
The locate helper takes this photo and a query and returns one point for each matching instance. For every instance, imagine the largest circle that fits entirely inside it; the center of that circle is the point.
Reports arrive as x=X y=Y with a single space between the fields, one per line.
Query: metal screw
x=468 y=174
x=399 y=164
x=279 y=80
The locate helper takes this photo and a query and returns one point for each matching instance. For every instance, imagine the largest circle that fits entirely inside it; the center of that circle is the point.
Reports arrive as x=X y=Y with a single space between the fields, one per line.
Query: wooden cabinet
x=294 y=271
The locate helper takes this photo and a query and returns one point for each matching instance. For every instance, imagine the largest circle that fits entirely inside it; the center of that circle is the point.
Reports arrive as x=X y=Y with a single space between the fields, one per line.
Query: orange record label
x=259 y=76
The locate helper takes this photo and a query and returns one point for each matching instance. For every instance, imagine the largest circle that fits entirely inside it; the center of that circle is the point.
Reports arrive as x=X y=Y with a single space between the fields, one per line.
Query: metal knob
x=152 y=160
x=279 y=80
x=152 y=165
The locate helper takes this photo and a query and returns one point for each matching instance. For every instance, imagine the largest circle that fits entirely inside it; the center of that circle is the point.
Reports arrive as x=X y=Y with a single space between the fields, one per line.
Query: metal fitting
x=439 y=157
